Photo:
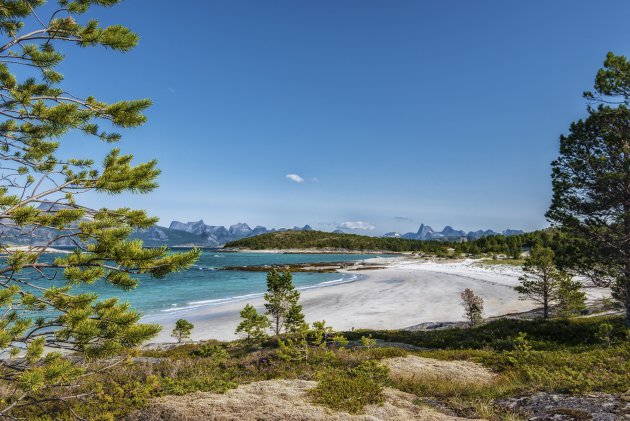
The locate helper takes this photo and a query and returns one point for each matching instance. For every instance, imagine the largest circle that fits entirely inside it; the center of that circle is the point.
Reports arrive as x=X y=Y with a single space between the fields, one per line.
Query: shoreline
x=312 y=251
x=406 y=292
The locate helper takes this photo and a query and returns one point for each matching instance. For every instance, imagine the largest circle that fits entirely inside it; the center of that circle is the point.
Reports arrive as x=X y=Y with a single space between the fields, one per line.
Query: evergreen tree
x=253 y=325
x=473 y=306
x=540 y=281
x=591 y=179
x=294 y=321
x=39 y=198
x=282 y=302
x=571 y=298
x=182 y=330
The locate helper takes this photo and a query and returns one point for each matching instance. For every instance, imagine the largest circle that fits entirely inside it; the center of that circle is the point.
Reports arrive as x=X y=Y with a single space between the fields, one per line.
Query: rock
x=545 y=406
x=414 y=367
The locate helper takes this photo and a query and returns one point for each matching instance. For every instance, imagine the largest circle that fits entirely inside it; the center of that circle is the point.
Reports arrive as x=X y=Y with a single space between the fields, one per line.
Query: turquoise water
x=205 y=284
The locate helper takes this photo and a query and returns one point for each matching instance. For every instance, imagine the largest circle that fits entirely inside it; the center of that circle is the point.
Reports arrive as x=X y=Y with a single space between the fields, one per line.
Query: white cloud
x=295 y=177
x=356 y=225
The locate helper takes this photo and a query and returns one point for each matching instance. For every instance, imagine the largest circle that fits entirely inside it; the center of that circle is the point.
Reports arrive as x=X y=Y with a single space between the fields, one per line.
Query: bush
x=216 y=352
x=351 y=389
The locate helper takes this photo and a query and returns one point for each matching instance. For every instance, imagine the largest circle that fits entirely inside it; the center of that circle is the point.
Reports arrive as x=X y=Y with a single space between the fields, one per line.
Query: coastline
x=405 y=292
x=313 y=251
x=34 y=248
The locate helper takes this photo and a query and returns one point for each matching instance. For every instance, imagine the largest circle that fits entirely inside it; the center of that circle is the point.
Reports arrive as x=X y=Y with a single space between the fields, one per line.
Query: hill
x=329 y=240
x=511 y=245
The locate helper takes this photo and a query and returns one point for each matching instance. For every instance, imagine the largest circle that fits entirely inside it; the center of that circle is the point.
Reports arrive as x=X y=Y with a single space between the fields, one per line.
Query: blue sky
x=392 y=112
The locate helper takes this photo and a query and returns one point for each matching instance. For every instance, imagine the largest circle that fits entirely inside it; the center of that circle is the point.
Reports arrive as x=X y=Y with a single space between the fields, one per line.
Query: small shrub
x=340 y=341
x=352 y=389
x=368 y=341
x=180 y=387
x=604 y=333
x=216 y=352
x=294 y=349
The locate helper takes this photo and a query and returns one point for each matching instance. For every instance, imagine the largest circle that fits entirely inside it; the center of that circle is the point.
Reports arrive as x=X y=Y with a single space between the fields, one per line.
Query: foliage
x=540 y=279
x=591 y=201
x=604 y=333
x=340 y=341
x=563 y=356
x=553 y=334
x=350 y=390
x=324 y=335
x=571 y=298
x=253 y=325
x=294 y=349
x=39 y=190
x=473 y=306
x=209 y=350
x=562 y=245
x=367 y=341
x=282 y=303
x=182 y=330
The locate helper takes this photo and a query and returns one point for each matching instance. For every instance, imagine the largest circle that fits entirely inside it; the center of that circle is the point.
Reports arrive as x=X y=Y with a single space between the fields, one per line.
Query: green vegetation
x=351 y=389
x=581 y=355
x=510 y=246
x=282 y=303
x=571 y=298
x=591 y=199
x=253 y=325
x=40 y=188
x=473 y=306
x=182 y=330
x=541 y=279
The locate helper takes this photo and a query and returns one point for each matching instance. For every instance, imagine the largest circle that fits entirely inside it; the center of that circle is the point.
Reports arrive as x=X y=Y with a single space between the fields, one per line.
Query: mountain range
x=201 y=234
x=425 y=232
x=198 y=233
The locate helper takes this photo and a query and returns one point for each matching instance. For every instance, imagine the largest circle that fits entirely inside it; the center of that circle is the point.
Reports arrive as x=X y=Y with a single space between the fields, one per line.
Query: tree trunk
x=546 y=300
x=624 y=290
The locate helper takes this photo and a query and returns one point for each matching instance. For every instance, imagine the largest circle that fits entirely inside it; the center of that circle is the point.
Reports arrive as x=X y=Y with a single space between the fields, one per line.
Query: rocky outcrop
x=550 y=406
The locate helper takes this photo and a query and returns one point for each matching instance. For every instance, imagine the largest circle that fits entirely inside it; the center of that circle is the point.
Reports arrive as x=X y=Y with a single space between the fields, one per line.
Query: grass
x=560 y=356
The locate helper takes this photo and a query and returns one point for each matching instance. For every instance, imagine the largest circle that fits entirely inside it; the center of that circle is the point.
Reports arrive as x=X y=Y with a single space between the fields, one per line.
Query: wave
x=193 y=305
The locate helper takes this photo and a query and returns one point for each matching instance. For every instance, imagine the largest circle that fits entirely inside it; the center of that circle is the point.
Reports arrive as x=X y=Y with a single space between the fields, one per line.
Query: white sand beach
x=405 y=293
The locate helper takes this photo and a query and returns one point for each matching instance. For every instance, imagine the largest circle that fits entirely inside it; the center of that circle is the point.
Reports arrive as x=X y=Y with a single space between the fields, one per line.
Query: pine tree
x=540 y=281
x=591 y=179
x=40 y=190
x=473 y=306
x=182 y=330
x=253 y=325
x=294 y=321
x=571 y=298
x=282 y=302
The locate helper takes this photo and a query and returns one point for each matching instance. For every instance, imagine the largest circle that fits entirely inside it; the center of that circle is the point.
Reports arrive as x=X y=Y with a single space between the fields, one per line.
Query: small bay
x=205 y=284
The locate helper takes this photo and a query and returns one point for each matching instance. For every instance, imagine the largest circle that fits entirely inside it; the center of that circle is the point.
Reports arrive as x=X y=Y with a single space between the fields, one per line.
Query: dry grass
x=278 y=400
x=411 y=368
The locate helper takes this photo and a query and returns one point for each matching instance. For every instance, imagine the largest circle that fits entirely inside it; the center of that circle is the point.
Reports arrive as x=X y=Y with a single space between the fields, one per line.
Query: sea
x=206 y=284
